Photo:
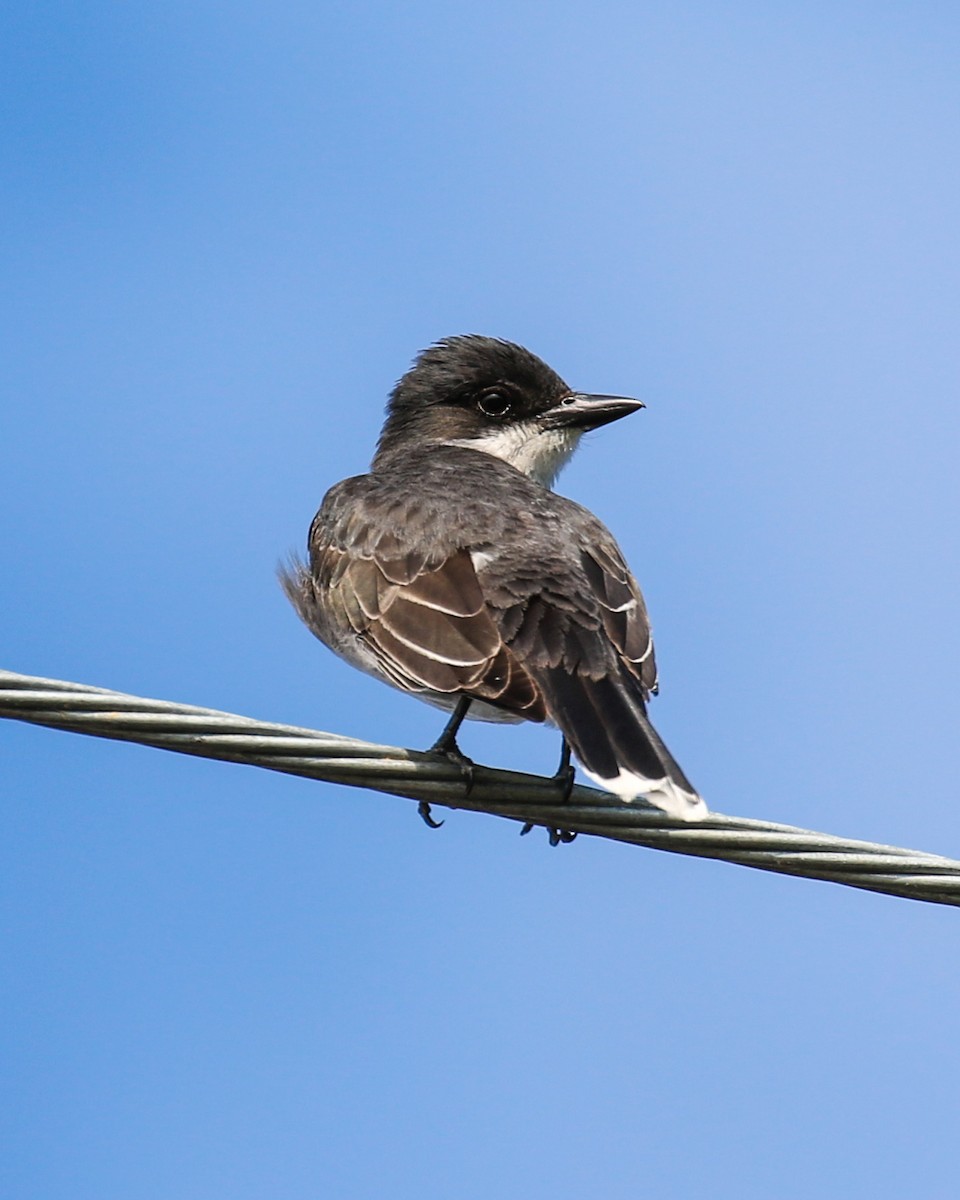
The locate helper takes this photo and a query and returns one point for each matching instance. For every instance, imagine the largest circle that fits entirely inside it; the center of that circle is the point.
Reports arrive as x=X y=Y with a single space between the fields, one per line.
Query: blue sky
x=225 y=232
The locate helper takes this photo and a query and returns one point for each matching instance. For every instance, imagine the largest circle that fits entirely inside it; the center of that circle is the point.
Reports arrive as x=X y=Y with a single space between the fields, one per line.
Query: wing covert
x=424 y=621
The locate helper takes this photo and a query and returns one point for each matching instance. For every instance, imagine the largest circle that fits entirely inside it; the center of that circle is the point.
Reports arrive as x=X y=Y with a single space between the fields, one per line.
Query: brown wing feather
x=427 y=625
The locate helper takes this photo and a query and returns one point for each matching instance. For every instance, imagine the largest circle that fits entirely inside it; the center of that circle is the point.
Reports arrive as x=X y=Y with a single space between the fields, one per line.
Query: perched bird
x=453 y=572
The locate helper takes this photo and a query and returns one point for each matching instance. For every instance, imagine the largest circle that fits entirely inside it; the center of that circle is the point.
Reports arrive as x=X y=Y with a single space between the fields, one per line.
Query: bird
x=454 y=572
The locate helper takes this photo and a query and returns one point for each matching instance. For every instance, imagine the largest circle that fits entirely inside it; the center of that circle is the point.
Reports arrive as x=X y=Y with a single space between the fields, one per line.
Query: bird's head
x=495 y=397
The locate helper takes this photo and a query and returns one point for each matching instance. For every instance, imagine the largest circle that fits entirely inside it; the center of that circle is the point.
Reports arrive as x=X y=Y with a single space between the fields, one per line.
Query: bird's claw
x=447 y=748
x=564 y=779
x=566 y=836
x=423 y=808
x=556 y=836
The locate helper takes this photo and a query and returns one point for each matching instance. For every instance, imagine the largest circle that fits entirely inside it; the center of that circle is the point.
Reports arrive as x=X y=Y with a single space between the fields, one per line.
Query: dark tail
x=605 y=721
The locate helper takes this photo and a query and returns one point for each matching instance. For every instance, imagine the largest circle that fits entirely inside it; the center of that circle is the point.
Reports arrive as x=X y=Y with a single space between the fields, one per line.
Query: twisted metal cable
x=424 y=777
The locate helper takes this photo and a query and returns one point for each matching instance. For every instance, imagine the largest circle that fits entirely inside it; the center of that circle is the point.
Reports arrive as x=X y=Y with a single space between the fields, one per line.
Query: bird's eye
x=494 y=404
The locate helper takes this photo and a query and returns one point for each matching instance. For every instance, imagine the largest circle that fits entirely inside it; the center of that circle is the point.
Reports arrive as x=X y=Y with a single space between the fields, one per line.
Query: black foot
x=446 y=743
x=564 y=777
x=452 y=753
x=556 y=835
x=561 y=835
x=447 y=748
x=423 y=808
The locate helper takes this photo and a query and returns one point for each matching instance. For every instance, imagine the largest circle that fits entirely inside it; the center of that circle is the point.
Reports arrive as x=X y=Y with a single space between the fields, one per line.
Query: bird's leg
x=565 y=774
x=563 y=777
x=446 y=744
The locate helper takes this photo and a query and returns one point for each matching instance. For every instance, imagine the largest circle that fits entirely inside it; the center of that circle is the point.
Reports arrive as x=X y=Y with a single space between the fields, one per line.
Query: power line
x=208 y=733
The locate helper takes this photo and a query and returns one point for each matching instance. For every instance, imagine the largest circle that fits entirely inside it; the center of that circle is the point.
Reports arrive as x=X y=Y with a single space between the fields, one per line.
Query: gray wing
x=572 y=604
x=580 y=627
x=622 y=610
x=420 y=615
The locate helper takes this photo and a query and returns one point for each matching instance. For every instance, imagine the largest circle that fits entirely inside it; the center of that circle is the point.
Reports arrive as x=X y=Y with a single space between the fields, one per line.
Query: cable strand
x=314 y=754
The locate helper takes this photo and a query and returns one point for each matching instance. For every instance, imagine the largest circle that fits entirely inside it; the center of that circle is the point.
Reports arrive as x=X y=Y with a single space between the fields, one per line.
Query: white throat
x=540 y=453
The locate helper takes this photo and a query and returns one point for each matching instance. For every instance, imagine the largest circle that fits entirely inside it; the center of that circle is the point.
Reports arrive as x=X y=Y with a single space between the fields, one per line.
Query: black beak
x=582 y=411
